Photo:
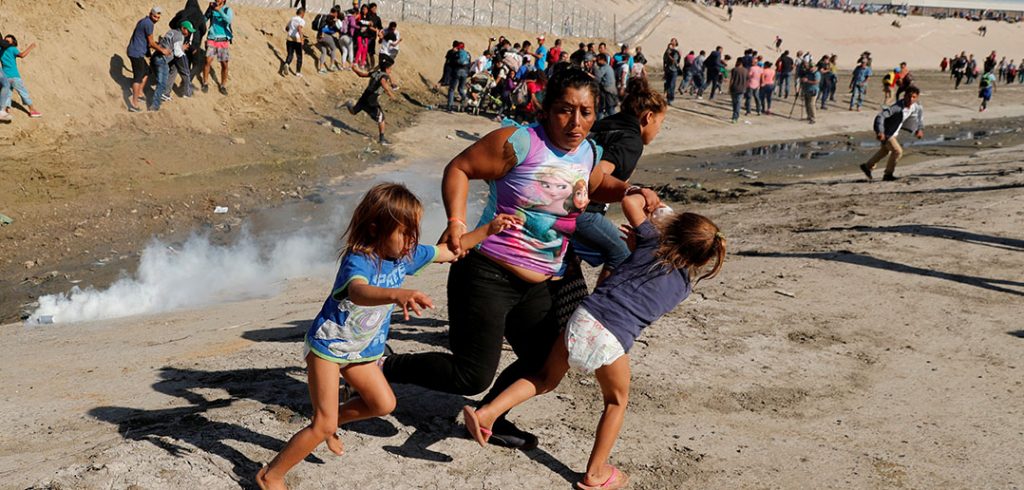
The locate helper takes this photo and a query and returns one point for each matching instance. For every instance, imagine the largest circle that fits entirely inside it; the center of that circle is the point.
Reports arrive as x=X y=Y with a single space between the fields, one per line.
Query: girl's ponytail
x=641 y=98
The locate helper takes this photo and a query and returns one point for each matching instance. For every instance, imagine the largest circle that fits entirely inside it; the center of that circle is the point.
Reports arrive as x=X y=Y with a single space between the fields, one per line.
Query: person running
x=218 y=43
x=986 y=87
x=623 y=138
x=906 y=80
x=778 y=43
x=669 y=251
x=295 y=29
x=9 y=61
x=139 y=46
x=890 y=80
x=859 y=85
x=545 y=173
x=737 y=88
x=713 y=65
x=906 y=114
x=380 y=79
x=347 y=338
x=5 y=89
x=958 y=69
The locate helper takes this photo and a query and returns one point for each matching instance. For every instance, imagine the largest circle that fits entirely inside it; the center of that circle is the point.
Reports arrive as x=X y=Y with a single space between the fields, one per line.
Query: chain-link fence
x=566 y=18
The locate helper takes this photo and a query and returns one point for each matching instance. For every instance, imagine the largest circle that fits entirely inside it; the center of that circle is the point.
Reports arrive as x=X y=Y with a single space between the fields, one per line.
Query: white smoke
x=200 y=273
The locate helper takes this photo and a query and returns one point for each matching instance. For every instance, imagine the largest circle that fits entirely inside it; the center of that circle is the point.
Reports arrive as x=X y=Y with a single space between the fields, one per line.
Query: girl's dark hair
x=690 y=241
x=640 y=98
x=384 y=209
x=13 y=40
x=569 y=78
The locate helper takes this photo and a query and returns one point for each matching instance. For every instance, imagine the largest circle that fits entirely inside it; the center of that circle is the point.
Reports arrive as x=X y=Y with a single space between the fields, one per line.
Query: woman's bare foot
x=266 y=483
x=335 y=445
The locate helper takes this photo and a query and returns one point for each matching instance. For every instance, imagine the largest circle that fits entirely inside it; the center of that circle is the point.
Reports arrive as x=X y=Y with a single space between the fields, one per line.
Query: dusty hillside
x=78 y=79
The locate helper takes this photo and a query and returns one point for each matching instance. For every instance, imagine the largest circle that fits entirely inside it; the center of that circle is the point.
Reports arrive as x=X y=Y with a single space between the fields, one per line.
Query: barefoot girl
x=650 y=283
x=348 y=335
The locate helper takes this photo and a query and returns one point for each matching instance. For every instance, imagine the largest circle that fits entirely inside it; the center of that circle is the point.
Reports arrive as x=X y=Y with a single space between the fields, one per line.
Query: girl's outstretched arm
x=364 y=294
x=633 y=208
x=500 y=223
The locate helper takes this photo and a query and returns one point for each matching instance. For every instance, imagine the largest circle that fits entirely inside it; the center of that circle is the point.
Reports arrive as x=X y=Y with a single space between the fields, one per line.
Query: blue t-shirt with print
x=345 y=332
x=9 y=61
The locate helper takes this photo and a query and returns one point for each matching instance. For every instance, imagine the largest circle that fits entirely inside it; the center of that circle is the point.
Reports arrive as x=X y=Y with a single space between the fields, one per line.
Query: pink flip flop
x=479 y=433
x=616 y=481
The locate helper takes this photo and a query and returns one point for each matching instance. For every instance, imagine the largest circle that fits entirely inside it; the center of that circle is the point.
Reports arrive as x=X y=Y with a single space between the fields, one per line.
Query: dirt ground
x=862 y=335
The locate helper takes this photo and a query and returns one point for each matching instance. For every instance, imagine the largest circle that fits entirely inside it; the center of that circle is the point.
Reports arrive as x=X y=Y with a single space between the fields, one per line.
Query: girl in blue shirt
x=667 y=251
x=347 y=338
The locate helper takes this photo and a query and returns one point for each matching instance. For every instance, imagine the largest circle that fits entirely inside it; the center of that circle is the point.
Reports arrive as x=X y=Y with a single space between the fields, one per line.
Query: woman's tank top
x=547 y=188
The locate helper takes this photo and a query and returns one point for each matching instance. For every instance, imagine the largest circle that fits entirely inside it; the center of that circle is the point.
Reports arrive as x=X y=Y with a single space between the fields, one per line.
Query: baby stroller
x=480 y=87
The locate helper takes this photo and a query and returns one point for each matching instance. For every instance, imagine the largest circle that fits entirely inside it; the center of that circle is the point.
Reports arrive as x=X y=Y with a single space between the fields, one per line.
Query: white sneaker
x=298 y=75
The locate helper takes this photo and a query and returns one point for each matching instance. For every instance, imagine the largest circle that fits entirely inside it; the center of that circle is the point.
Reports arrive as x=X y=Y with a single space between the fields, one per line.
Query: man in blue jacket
x=905 y=114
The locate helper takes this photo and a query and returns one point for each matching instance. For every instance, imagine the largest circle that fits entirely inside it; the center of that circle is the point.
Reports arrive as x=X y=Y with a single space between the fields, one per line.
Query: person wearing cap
x=161 y=61
x=138 y=49
x=218 y=43
x=179 y=62
x=541 y=54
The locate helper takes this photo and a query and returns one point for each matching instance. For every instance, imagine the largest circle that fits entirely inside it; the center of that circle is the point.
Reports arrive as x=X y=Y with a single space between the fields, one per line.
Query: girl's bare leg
x=614 y=381
x=525 y=388
x=323 y=392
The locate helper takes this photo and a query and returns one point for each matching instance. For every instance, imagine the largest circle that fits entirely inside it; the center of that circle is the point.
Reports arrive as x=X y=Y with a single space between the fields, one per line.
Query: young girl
x=600 y=333
x=347 y=337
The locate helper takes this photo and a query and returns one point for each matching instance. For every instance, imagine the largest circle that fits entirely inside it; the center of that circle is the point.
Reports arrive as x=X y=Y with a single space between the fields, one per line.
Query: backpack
x=320 y=21
x=521 y=94
x=462 y=58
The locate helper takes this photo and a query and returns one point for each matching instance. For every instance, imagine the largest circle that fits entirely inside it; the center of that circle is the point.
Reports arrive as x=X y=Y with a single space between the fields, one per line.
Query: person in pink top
x=753 y=86
x=767 y=87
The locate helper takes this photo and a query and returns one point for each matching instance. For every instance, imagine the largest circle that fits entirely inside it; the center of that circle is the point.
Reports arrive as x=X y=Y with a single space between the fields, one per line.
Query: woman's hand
x=410 y=299
x=452 y=237
x=651 y=199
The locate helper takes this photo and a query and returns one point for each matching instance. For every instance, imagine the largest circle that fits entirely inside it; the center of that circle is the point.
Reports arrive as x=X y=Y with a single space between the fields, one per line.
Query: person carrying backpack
x=459 y=74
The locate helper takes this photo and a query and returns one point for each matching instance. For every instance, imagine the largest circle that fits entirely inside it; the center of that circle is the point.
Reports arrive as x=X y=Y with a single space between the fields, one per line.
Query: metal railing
x=570 y=18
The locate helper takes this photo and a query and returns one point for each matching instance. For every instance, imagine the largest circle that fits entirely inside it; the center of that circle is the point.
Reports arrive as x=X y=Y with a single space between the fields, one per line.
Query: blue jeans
x=597 y=241
x=458 y=80
x=857 y=96
x=670 y=85
x=161 y=69
x=15 y=84
x=782 y=83
x=766 y=97
x=5 y=92
x=736 y=100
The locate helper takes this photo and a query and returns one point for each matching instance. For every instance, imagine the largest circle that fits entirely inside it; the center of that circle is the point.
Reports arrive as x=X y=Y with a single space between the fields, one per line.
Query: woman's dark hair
x=640 y=98
x=570 y=78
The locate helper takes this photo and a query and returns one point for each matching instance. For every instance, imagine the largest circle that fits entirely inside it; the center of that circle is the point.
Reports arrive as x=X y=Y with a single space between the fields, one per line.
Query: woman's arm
x=490 y=158
x=607 y=189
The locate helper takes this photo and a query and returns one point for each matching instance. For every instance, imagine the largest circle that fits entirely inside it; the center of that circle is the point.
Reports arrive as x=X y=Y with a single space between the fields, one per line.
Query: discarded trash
x=785 y=293
x=238 y=141
x=44 y=319
x=220 y=210
x=5 y=220
x=337 y=130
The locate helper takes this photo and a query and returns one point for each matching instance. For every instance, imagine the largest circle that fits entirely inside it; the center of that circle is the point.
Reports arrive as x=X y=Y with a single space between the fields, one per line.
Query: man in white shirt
x=294 y=44
x=906 y=114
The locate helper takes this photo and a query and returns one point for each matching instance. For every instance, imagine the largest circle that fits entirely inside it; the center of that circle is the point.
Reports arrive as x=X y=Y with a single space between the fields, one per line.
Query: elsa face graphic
x=551 y=188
